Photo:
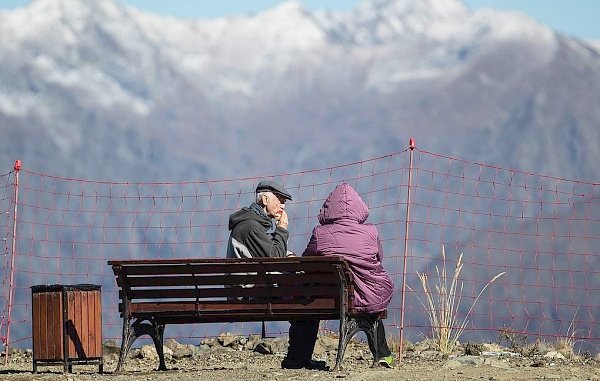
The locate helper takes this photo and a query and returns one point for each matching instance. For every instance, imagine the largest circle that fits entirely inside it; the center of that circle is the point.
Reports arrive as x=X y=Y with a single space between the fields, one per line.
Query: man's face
x=274 y=204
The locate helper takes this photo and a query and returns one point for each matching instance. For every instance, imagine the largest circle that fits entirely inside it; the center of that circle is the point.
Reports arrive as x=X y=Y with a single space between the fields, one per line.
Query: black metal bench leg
x=156 y=332
x=126 y=341
x=158 y=339
x=348 y=328
x=341 y=344
x=132 y=331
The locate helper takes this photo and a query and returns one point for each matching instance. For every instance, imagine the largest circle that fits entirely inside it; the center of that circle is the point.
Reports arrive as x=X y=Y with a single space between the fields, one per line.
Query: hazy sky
x=578 y=18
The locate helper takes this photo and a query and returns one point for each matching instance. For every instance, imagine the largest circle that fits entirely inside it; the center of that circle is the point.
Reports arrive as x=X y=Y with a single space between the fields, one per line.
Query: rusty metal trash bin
x=66 y=325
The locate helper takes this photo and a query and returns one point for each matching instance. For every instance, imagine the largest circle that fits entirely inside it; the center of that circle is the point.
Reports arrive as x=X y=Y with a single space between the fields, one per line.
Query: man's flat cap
x=273 y=186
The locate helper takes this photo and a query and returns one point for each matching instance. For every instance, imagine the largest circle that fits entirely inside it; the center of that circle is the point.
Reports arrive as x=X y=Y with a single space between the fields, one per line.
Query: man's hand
x=282 y=219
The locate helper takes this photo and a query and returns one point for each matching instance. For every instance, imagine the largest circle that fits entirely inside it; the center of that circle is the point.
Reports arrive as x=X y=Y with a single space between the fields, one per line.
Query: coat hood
x=254 y=212
x=343 y=203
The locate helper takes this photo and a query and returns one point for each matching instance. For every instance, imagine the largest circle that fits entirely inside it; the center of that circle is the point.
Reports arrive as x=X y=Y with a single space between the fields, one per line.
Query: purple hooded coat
x=343 y=232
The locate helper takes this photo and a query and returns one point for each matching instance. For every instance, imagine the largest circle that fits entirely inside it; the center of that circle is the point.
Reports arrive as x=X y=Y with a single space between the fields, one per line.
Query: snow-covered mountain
x=95 y=89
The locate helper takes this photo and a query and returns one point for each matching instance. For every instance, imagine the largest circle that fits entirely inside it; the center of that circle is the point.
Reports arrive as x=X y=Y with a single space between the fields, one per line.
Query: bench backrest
x=228 y=290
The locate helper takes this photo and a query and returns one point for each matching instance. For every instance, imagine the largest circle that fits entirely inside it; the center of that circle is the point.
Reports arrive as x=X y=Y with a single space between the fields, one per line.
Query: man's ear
x=263 y=199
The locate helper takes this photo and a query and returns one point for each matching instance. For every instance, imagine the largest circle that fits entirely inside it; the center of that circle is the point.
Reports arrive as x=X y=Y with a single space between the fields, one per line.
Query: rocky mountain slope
x=95 y=89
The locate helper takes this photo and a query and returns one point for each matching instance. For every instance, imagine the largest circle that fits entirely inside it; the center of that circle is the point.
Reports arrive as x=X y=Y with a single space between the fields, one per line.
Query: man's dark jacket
x=254 y=234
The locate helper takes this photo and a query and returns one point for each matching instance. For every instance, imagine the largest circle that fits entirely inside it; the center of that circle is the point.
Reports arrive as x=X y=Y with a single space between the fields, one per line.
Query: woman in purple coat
x=343 y=231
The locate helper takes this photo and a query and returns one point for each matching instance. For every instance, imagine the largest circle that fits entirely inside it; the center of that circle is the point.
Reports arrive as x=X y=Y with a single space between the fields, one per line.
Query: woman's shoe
x=387 y=361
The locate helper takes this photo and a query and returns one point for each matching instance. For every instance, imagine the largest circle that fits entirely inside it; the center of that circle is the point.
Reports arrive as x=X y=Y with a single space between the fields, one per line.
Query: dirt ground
x=252 y=359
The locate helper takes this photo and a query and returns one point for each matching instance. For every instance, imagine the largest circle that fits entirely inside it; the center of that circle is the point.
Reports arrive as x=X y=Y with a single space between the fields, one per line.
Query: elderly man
x=260 y=230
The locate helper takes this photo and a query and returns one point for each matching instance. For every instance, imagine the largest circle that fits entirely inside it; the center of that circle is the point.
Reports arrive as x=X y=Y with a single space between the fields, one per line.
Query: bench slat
x=174 y=308
x=226 y=268
x=210 y=261
x=316 y=290
x=246 y=317
x=231 y=279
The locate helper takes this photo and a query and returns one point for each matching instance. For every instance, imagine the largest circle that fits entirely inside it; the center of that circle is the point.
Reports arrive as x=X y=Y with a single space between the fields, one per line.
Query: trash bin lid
x=66 y=287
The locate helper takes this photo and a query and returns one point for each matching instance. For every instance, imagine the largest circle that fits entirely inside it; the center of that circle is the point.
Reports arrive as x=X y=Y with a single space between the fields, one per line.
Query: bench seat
x=155 y=293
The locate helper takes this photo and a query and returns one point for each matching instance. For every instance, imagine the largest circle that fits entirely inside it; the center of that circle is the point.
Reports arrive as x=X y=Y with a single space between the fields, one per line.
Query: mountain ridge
x=104 y=80
x=107 y=92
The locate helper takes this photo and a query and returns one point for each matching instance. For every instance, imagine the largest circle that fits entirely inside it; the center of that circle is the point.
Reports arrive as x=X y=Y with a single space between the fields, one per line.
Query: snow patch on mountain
x=383 y=69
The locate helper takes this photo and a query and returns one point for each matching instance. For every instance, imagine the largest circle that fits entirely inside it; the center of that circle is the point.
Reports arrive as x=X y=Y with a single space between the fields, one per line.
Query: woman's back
x=343 y=232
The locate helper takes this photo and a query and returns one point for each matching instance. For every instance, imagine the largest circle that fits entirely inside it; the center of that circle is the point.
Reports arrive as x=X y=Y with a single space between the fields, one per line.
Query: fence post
x=411 y=146
x=11 y=290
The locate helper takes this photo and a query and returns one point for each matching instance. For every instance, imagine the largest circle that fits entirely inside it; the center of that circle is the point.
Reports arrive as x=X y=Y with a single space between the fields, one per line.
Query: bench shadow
x=15 y=371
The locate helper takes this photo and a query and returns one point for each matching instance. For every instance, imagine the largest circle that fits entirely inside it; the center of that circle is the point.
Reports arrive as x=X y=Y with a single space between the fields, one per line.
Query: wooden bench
x=154 y=293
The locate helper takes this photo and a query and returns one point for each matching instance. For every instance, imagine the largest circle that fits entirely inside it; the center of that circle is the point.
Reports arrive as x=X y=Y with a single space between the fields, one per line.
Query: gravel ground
x=239 y=359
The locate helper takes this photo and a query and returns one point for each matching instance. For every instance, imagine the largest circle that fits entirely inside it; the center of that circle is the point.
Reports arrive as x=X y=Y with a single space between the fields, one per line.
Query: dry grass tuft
x=443 y=304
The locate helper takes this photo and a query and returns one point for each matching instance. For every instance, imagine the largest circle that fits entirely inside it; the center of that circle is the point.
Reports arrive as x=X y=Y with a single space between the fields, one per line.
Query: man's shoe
x=310 y=364
x=386 y=361
x=316 y=364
